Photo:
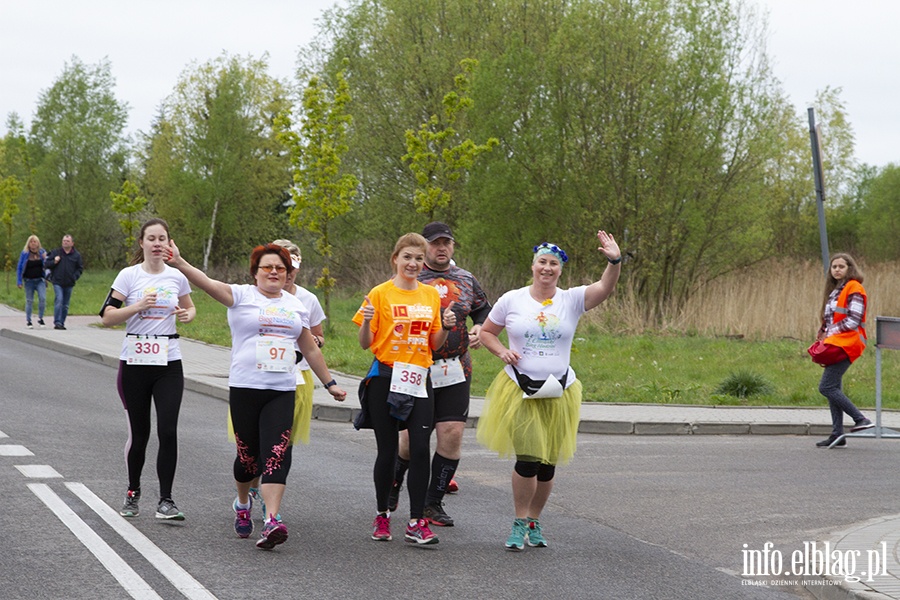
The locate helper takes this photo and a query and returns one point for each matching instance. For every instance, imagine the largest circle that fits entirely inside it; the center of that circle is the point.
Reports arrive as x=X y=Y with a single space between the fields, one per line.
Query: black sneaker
x=826 y=443
x=860 y=425
x=29 y=325
x=58 y=326
x=41 y=323
x=394 y=496
x=434 y=514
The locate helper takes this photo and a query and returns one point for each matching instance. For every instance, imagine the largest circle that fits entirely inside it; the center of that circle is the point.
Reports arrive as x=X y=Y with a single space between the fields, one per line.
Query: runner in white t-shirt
x=149 y=297
x=267 y=326
x=532 y=407
x=303 y=400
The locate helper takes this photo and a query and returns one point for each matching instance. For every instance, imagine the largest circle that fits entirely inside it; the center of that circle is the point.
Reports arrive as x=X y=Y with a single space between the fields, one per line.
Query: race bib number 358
x=409 y=379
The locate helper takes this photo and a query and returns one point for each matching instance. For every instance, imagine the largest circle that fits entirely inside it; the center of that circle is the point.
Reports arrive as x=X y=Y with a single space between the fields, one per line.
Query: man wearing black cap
x=451 y=374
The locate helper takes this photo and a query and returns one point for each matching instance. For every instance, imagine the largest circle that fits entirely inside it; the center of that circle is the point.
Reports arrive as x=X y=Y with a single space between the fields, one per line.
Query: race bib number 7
x=275 y=355
x=409 y=379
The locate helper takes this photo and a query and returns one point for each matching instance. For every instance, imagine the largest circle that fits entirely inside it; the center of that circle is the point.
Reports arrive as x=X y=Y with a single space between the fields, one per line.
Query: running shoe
x=382 y=528
x=516 y=539
x=243 y=524
x=861 y=425
x=419 y=533
x=29 y=325
x=394 y=496
x=452 y=487
x=167 y=510
x=41 y=323
x=435 y=515
x=273 y=533
x=130 y=508
x=535 y=535
x=256 y=496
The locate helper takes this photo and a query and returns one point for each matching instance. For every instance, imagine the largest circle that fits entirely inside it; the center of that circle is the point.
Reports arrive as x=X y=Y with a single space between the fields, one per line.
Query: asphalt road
x=632 y=517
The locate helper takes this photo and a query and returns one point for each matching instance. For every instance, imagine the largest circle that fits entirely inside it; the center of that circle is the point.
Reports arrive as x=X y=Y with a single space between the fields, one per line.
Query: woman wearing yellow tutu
x=532 y=406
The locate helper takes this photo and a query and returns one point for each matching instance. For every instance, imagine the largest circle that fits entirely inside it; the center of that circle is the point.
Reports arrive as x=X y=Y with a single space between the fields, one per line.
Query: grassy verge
x=667 y=369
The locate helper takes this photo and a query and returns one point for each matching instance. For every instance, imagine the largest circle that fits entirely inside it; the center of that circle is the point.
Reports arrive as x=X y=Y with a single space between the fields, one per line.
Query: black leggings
x=138 y=384
x=262 y=422
x=419 y=424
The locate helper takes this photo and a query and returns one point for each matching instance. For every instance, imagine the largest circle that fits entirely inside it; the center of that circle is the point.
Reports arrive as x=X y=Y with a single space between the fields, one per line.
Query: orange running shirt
x=403 y=322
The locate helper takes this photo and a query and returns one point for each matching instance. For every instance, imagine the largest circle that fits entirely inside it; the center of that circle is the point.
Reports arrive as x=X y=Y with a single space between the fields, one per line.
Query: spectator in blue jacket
x=65 y=268
x=30 y=275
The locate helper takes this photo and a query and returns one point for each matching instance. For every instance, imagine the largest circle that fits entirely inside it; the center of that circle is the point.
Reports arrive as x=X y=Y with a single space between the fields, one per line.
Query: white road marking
x=130 y=581
x=14 y=450
x=171 y=570
x=37 y=471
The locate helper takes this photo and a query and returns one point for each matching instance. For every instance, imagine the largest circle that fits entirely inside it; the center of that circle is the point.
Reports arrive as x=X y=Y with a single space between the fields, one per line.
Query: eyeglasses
x=270 y=268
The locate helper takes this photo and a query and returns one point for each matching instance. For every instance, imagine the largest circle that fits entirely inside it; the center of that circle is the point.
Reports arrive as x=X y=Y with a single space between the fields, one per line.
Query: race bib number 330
x=147 y=351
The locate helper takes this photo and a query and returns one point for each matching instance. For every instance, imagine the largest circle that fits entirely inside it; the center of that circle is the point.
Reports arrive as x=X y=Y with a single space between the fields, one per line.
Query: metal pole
x=820 y=185
x=877 y=391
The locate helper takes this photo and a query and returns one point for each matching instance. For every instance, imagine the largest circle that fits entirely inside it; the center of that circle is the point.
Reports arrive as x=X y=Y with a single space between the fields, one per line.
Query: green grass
x=658 y=369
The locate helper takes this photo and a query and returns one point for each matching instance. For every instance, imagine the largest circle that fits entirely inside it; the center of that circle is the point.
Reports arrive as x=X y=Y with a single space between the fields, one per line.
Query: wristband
x=330 y=383
x=614 y=262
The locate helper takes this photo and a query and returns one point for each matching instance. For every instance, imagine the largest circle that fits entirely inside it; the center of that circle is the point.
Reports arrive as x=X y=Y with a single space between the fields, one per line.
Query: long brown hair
x=853 y=272
x=138 y=256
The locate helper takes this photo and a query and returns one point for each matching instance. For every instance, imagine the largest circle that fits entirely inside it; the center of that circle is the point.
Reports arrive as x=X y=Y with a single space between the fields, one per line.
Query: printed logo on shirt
x=165 y=299
x=412 y=321
x=541 y=341
x=275 y=317
x=448 y=290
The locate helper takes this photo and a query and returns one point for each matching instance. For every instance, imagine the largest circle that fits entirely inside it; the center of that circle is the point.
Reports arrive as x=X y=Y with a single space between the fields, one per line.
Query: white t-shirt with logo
x=541 y=334
x=316 y=316
x=255 y=317
x=134 y=282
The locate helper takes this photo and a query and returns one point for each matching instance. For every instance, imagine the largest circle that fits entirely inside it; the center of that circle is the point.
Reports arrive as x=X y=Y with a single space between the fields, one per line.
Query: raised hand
x=608 y=245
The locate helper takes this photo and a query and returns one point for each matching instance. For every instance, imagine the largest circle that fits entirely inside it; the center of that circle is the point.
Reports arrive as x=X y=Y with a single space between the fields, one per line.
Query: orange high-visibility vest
x=854 y=341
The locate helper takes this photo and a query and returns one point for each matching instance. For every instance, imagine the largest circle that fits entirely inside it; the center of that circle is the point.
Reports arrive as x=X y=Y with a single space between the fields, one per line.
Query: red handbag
x=826 y=354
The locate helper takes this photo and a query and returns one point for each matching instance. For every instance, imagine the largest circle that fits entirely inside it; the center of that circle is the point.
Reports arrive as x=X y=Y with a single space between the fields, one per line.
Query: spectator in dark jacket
x=65 y=268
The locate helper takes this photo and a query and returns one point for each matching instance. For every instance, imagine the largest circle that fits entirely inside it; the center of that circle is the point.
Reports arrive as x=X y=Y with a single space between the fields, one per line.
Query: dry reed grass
x=773 y=300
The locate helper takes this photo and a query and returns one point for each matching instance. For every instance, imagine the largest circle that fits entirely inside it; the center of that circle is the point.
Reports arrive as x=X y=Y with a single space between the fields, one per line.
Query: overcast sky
x=813 y=43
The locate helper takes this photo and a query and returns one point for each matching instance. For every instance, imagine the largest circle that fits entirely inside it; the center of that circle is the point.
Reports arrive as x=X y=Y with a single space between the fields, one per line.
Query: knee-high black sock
x=442 y=471
x=400 y=468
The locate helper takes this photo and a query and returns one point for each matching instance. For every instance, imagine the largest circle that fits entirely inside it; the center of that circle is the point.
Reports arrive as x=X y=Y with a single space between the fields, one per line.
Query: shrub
x=743 y=384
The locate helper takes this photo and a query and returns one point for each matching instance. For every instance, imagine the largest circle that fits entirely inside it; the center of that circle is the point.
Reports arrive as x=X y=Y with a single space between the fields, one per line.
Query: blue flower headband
x=547 y=248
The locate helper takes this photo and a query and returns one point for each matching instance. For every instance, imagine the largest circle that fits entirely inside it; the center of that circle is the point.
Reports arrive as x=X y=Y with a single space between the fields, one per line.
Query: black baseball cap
x=437 y=230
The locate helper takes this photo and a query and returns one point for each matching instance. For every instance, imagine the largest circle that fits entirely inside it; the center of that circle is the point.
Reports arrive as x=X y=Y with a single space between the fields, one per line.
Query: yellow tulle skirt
x=303 y=405
x=545 y=429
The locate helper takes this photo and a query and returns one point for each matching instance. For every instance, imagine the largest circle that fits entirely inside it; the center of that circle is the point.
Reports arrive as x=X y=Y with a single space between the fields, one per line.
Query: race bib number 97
x=275 y=355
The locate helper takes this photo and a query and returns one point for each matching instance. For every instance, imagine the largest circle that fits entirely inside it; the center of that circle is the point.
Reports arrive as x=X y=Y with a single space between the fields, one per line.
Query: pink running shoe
x=273 y=533
x=382 y=527
x=452 y=487
x=419 y=533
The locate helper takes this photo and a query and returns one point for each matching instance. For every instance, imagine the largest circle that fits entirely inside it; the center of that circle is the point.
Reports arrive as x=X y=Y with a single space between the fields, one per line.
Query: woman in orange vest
x=843 y=324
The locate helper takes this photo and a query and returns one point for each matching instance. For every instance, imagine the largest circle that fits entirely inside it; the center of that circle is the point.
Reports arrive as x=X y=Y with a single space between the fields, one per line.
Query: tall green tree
x=322 y=190
x=78 y=152
x=10 y=188
x=213 y=167
x=654 y=119
x=128 y=204
x=437 y=156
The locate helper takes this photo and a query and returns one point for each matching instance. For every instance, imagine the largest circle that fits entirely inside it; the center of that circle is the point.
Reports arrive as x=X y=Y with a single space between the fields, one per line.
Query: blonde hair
x=410 y=240
x=28 y=243
x=291 y=247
